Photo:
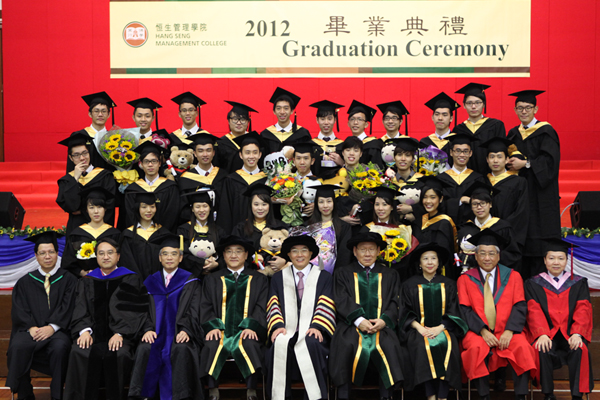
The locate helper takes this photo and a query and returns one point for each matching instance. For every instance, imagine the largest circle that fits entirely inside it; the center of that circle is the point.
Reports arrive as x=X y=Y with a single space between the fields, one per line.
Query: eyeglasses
x=527 y=108
x=169 y=253
x=394 y=119
x=464 y=152
x=299 y=251
x=45 y=253
x=473 y=103
x=478 y=204
x=367 y=251
x=234 y=252
x=187 y=110
x=99 y=112
x=239 y=120
x=357 y=120
x=483 y=254
x=79 y=155
x=150 y=162
x=109 y=253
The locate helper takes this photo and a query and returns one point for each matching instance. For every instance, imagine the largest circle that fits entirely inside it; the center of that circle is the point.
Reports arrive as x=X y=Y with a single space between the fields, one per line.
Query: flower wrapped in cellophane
x=432 y=161
x=399 y=242
x=87 y=250
x=116 y=147
x=287 y=188
x=363 y=179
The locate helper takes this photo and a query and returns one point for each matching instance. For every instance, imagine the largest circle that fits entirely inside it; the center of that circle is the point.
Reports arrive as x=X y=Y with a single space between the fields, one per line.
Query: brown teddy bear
x=270 y=246
x=179 y=162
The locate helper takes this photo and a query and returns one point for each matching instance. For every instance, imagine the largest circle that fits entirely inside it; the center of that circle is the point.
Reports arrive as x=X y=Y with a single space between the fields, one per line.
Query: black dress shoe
x=500 y=385
x=30 y=397
x=550 y=396
x=576 y=398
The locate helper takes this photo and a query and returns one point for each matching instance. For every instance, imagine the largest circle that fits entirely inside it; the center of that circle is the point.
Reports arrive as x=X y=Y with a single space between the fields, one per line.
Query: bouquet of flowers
x=363 y=179
x=87 y=250
x=432 y=161
x=288 y=188
x=116 y=148
x=399 y=240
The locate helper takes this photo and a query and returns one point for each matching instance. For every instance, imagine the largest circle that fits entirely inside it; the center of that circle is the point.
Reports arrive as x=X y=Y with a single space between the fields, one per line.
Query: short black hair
x=481 y=195
x=352 y=142
x=96 y=202
x=99 y=103
x=283 y=98
x=400 y=150
x=110 y=241
x=325 y=113
x=392 y=112
x=149 y=108
x=37 y=245
x=232 y=114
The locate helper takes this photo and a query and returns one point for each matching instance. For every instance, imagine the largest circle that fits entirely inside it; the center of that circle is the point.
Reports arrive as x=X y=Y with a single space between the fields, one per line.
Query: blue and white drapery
x=586 y=259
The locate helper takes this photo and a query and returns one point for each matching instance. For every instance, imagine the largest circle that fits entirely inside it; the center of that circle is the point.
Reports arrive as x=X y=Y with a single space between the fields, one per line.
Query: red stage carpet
x=34 y=185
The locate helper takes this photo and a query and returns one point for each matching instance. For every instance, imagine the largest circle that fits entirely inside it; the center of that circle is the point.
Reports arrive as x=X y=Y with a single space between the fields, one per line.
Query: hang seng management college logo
x=135 y=34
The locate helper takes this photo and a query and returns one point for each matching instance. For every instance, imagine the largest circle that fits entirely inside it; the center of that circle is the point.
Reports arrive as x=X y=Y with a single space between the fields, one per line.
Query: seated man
x=366 y=298
x=492 y=300
x=168 y=354
x=233 y=306
x=42 y=305
x=109 y=310
x=301 y=322
x=559 y=320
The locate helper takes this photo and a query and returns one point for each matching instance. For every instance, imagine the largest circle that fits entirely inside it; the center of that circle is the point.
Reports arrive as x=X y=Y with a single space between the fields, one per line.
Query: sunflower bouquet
x=363 y=179
x=87 y=250
x=116 y=147
x=399 y=242
x=287 y=188
x=432 y=161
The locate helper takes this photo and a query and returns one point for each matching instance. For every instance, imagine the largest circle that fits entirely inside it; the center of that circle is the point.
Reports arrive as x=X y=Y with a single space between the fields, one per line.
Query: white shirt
x=203 y=172
x=457 y=171
x=444 y=135
x=532 y=123
x=305 y=271
x=362 y=136
x=321 y=136
x=396 y=135
x=239 y=271
x=493 y=174
x=41 y=271
x=492 y=279
x=150 y=183
x=140 y=225
x=98 y=136
x=286 y=129
x=165 y=273
x=304 y=176
x=193 y=130
x=89 y=169
x=146 y=135
x=255 y=171
x=484 y=222
x=358 y=320
x=81 y=332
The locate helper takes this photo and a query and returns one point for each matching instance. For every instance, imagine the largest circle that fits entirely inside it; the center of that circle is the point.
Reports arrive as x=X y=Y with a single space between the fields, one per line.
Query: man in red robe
x=493 y=302
x=559 y=321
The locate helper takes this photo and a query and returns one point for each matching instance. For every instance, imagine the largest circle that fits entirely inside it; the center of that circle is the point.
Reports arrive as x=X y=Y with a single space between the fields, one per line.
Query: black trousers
x=521 y=383
x=251 y=382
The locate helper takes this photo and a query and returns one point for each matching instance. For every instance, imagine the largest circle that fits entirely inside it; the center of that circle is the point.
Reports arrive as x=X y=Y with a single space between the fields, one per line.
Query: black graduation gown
x=455 y=187
x=238 y=230
x=173 y=367
x=190 y=262
x=330 y=146
x=443 y=144
x=190 y=180
x=228 y=155
x=423 y=299
x=273 y=144
x=178 y=137
x=541 y=146
x=168 y=208
x=383 y=285
x=111 y=304
x=441 y=230
x=489 y=129
x=510 y=256
x=511 y=203
x=372 y=151
x=233 y=207
x=85 y=234
x=30 y=308
x=323 y=319
x=245 y=308
x=69 y=196
x=139 y=250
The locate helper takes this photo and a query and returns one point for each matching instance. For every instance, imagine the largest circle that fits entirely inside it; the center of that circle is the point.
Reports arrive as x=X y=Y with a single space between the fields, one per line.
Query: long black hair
x=394 y=218
x=210 y=223
x=249 y=223
x=138 y=217
x=318 y=217
x=442 y=206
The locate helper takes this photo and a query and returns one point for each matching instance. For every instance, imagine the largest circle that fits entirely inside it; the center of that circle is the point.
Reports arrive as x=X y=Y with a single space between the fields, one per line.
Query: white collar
x=286 y=129
x=530 y=124
x=150 y=183
x=203 y=172
x=200 y=223
x=193 y=130
x=397 y=135
x=493 y=174
x=89 y=169
x=484 y=222
x=255 y=171
x=305 y=271
x=146 y=135
x=457 y=171
x=54 y=270
x=172 y=273
x=304 y=176
x=444 y=135
x=362 y=136
x=321 y=136
x=100 y=131
x=484 y=274
x=369 y=267
x=239 y=271
x=140 y=225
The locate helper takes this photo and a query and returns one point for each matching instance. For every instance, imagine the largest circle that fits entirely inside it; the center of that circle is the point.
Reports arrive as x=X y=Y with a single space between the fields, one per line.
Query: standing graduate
x=483 y=128
x=239 y=122
x=140 y=243
x=145 y=111
x=234 y=205
x=393 y=114
x=539 y=146
x=442 y=106
x=511 y=201
x=189 y=109
x=167 y=359
x=204 y=173
x=167 y=192
x=83 y=175
x=366 y=299
x=458 y=178
x=260 y=214
x=110 y=306
x=559 y=321
x=284 y=132
x=430 y=325
x=493 y=304
x=79 y=256
x=360 y=117
x=301 y=321
x=42 y=305
x=233 y=316
x=327 y=118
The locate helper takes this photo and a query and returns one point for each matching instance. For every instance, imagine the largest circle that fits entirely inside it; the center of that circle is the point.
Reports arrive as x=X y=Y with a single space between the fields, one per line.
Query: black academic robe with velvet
x=168 y=208
x=439 y=229
x=454 y=188
x=490 y=128
x=190 y=262
x=511 y=203
x=441 y=144
x=234 y=206
x=139 y=249
x=273 y=144
x=72 y=260
x=372 y=151
x=228 y=155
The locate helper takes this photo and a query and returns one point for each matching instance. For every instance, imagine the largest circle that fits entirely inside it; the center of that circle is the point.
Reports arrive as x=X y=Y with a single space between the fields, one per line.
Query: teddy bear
x=203 y=249
x=270 y=246
x=387 y=154
x=179 y=162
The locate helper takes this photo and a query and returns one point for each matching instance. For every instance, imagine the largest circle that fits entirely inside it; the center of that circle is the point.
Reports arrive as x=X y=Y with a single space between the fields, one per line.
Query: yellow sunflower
x=110 y=146
x=392 y=254
x=126 y=145
x=361 y=174
x=86 y=250
x=129 y=156
x=423 y=171
x=392 y=233
x=290 y=184
x=374 y=173
x=399 y=244
x=115 y=138
x=422 y=160
x=358 y=185
x=277 y=186
x=115 y=156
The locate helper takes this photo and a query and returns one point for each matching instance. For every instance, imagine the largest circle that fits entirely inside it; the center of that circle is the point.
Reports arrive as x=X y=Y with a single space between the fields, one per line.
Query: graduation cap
x=474 y=89
x=358 y=107
x=242 y=110
x=300 y=240
x=145 y=102
x=189 y=97
x=397 y=108
x=100 y=98
x=233 y=240
x=49 y=236
x=146 y=198
x=462 y=138
x=281 y=94
x=327 y=173
x=77 y=138
x=366 y=236
x=204 y=138
x=479 y=186
x=432 y=182
x=171 y=240
x=325 y=106
x=442 y=100
x=406 y=143
x=96 y=193
x=305 y=147
x=249 y=138
x=258 y=188
x=148 y=147
x=497 y=145
x=415 y=255
x=201 y=195
x=386 y=193
x=160 y=138
x=488 y=237
x=556 y=244
x=326 y=191
x=527 y=96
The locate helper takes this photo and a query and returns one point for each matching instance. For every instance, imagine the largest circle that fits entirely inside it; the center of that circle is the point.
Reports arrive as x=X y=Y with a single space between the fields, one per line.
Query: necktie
x=327 y=139
x=188 y=133
x=236 y=276
x=168 y=279
x=84 y=173
x=282 y=131
x=556 y=279
x=207 y=173
x=300 y=285
x=368 y=270
x=488 y=303
x=47 y=288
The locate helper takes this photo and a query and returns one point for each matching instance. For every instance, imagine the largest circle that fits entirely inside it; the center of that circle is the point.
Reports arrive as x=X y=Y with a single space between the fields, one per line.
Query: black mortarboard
x=146 y=198
x=171 y=240
x=386 y=193
x=305 y=147
x=235 y=240
x=366 y=237
x=95 y=192
x=369 y=112
x=189 y=97
x=201 y=195
x=479 y=186
x=77 y=138
x=474 y=89
x=441 y=251
x=300 y=240
x=258 y=188
x=326 y=190
x=496 y=145
x=398 y=108
x=204 y=138
x=49 y=236
x=556 y=244
x=145 y=102
x=250 y=137
x=324 y=106
x=488 y=237
x=242 y=110
x=527 y=96
x=462 y=138
x=148 y=147
x=405 y=143
x=100 y=98
x=282 y=94
x=442 y=100
x=433 y=182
